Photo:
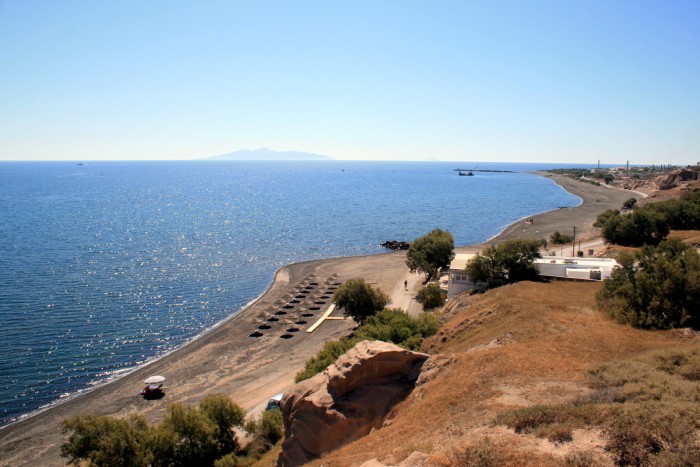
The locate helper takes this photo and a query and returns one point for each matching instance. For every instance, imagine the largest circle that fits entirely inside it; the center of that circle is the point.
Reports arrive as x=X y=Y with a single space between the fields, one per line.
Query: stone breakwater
x=395 y=245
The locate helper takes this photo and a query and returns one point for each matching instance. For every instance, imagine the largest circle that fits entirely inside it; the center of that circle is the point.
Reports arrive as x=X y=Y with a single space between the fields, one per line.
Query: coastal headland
x=227 y=360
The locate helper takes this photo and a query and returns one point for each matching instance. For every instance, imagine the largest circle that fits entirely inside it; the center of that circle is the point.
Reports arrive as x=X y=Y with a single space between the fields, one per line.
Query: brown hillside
x=524 y=344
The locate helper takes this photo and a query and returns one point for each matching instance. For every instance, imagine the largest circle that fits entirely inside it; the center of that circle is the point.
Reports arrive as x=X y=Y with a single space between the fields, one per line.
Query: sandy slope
x=251 y=370
x=515 y=346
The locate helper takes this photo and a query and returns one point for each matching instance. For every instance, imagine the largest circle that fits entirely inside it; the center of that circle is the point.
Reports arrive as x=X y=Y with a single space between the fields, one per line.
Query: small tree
x=431 y=296
x=225 y=414
x=629 y=204
x=194 y=435
x=359 y=299
x=509 y=262
x=429 y=253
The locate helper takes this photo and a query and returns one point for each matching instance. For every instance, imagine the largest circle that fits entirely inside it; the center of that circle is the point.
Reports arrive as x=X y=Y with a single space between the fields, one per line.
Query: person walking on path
x=405 y=284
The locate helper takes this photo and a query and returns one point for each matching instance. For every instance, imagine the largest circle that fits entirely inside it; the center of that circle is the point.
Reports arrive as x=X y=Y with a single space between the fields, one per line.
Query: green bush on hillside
x=268 y=428
x=187 y=436
x=395 y=326
x=325 y=357
x=682 y=213
x=389 y=325
x=655 y=288
x=431 y=296
x=630 y=203
x=105 y=441
x=651 y=223
x=559 y=238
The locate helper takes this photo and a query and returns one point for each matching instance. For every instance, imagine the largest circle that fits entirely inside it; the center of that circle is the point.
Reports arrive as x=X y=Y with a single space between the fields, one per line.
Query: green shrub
x=683 y=363
x=268 y=430
x=395 y=326
x=271 y=426
x=106 y=441
x=229 y=460
x=193 y=433
x=681 y=213
x=431 y=296
x=225 y=414
x=656 y=288
x=187 y=436
x=651 y=223
x=558 y=238
x=389 y=325
x=325 y=357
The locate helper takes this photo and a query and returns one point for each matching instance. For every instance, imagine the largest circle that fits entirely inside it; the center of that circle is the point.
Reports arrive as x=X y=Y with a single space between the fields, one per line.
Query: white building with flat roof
x=458 y=281
x=562 y=267
x=589 y=269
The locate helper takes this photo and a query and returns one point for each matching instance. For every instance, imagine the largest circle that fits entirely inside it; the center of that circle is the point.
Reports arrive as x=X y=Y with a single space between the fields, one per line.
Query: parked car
x=274 y=403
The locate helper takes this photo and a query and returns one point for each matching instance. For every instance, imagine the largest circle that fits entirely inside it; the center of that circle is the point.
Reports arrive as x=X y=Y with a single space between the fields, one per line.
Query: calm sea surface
x=104 y=266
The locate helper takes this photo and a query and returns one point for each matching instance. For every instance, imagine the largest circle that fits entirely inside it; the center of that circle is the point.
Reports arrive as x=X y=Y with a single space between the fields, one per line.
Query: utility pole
x=573 y=243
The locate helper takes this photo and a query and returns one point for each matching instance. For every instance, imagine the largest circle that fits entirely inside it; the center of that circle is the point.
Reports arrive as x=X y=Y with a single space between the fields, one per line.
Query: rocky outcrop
x=395 y=245
x=674 y=179
x=347 y=401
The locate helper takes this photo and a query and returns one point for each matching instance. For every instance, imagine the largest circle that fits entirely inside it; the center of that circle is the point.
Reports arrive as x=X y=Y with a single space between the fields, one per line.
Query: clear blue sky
x=537 y=81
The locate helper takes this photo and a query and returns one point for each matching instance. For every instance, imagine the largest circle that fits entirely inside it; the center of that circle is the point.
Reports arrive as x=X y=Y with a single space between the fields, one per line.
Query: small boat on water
x=467 y=172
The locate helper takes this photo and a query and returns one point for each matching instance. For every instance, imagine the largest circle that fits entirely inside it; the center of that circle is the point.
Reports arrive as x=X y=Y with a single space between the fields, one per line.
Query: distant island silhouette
x=266 y=154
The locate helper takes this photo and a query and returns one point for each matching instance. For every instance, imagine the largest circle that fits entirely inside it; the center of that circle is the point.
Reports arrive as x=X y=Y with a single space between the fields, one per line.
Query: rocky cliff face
x=675 y=178
x=346 y=401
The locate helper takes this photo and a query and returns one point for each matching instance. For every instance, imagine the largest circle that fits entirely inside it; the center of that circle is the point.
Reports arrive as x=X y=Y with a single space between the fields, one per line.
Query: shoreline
x=533 y=216
x=127 y=371
x=225 y=359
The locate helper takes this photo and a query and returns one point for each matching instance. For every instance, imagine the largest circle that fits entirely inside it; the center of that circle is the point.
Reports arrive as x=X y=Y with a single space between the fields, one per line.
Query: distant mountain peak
x=267 y=154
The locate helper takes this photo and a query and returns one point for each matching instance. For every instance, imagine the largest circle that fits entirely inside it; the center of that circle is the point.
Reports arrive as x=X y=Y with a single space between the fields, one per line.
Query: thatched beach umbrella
x=157 y=379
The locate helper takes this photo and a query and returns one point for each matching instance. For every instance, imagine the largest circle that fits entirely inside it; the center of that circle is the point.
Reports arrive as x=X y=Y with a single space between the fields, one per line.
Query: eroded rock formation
x=346 y=401
x=674 y=179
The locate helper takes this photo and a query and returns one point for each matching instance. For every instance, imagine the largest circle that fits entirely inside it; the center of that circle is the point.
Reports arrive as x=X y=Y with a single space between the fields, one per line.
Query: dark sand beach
x=251 y=369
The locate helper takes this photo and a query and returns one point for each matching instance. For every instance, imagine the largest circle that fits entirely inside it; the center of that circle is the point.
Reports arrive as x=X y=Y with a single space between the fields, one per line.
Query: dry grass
x=691 y=237
x=517 y=346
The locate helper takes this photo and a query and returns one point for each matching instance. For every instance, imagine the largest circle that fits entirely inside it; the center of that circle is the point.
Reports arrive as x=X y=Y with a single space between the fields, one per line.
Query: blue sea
x=106 y=265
